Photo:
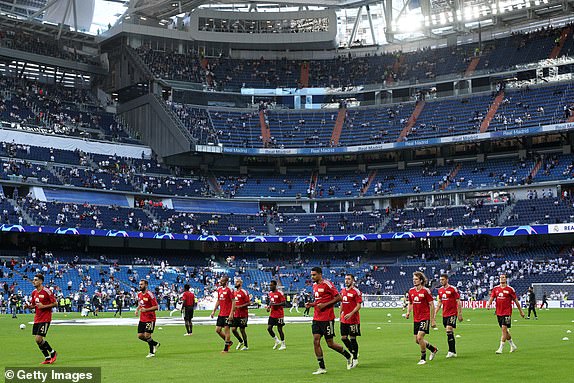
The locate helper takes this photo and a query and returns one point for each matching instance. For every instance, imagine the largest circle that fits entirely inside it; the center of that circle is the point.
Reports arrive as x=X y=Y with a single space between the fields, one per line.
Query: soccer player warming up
x=43 y=301
x=449 y=301
x=239 y=314
x=350 y=319
x=326 y=295
x=421 y=302
x=504 y=296
x=147 y=306
x=187 y=305
x=276 y=315
x=224 y=303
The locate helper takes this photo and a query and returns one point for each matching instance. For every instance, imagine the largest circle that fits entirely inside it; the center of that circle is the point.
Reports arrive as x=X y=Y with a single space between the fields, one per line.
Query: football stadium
x=285 y=191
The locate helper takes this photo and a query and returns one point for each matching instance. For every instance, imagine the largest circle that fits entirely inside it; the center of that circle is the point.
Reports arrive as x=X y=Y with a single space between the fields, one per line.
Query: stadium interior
x=191 y=139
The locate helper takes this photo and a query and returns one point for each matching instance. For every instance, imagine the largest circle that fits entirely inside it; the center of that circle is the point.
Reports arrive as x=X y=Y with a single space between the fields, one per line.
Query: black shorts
x=239 y=322
x=504 y=320
x=188 y=314
x=279 y=322
x=40 y=328
x=146 y=327
x=324 y=328
x=449 y=321
x=350 y=329
x=222 y=321
x=422 y=326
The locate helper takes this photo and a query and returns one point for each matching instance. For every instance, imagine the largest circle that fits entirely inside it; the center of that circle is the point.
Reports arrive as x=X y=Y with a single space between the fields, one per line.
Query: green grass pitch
x=388 y=354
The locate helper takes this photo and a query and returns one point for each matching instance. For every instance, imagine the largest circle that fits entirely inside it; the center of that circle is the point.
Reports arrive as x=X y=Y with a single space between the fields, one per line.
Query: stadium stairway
x=27 y=217
x=265 y=130
x=139 y=63
x=536 y=168
x=491 y=112
x=372 y=177
x=313 y=180
x=471 y=66
x=214 y=185
x=304 y=77
x=338 y=128
x=505 y=213
x=451 y=176
x=412 y=121
x=558 y=47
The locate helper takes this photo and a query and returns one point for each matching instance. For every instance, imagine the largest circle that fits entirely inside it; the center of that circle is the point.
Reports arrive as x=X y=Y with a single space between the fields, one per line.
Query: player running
x=504 y=295
x=239 y=314
x=326 y=296
x=449 y=301
x=224 y=303
x=276 y=315
x=350 y=319
x=187 y=305
x=147 y=306
x=43 y=301
x=421 y=302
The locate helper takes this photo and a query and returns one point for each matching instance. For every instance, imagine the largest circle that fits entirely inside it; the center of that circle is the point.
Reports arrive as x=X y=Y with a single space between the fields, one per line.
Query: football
x=22 y=326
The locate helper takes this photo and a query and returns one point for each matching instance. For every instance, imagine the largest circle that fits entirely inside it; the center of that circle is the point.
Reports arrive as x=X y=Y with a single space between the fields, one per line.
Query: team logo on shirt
x=321 y=290
x=41 y=296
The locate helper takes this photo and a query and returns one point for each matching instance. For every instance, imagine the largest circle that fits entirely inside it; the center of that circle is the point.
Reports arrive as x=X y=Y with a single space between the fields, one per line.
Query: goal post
x=559 y=295
x=383 y=301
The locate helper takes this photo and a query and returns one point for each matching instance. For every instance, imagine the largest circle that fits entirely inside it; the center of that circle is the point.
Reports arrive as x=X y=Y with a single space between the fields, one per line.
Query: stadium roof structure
x=430 y=18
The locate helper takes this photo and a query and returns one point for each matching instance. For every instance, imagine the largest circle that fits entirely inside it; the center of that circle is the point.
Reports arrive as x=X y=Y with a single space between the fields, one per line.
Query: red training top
x=276 y=297
x=351 y=298
x=188 y=299
x=44 y=297
x=504 y=297
x=241 y=298
x=420 y=300
x=146 y=301
x=448 y=296
x=225 y=296
x=324 y=292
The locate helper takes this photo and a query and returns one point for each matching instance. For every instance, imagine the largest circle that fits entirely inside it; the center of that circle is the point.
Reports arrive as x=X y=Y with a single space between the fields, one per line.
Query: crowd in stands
x=99 y=283
x=347 y=71
x=56 y=109
x=44 y=45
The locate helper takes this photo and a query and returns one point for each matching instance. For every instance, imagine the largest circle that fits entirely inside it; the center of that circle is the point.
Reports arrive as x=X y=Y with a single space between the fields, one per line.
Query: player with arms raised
x=224 y=304
x=504 y=295
x=147 y=306
x=350 y=319
x=276 y=315
x=43 y=301
x=422 y=303
x=239 y=314
x=326 y=296
x=449 y=301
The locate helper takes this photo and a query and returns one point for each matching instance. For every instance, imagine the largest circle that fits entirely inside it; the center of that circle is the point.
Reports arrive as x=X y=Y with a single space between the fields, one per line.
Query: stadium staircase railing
x=472 y=66
x=265 y=129
x=412 y=121
x=338 y=128
x=558 y=47
x=491 y=112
